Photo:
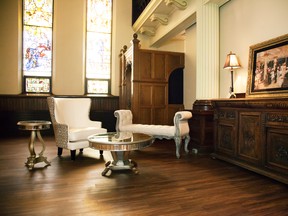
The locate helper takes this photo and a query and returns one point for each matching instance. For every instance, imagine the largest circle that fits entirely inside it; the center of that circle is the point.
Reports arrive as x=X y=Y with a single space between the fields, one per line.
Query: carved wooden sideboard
x=253 y=133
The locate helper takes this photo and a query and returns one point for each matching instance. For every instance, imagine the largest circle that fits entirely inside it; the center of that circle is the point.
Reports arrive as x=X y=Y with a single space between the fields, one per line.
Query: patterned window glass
x=37 y=84
x=98 y=46
x=99 y=86
x=37 y=45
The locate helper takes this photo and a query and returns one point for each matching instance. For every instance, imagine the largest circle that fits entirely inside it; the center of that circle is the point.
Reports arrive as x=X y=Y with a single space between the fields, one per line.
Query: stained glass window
x=98 y=46
x=37 y=45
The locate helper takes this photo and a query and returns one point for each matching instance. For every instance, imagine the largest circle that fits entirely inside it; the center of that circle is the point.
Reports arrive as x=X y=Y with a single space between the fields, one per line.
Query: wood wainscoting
x=14 y=108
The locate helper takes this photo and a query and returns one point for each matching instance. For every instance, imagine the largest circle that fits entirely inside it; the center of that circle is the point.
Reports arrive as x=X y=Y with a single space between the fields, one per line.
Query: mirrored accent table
x=120 y=144
x=35 y=127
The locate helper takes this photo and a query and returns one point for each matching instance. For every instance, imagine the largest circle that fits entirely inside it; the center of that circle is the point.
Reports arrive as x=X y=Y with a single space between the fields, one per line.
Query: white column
x=207 y=69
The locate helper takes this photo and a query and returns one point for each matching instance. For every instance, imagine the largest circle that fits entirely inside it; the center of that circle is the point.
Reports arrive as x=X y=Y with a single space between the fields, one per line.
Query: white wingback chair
x=71 y=123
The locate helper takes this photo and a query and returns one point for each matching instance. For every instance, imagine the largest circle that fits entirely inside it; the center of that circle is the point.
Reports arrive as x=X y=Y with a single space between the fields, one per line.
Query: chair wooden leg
x=73 y=154
x=101 y=152
x=60 y=150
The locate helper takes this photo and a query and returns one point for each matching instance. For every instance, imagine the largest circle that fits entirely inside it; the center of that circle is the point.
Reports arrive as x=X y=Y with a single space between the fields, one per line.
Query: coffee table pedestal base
x=120 y=161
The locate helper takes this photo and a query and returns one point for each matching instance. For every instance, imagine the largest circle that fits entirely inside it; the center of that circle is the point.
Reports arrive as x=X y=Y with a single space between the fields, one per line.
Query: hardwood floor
x=192 y=185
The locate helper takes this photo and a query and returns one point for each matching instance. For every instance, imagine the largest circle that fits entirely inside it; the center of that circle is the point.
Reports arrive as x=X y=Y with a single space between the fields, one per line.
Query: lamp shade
x=231 y=62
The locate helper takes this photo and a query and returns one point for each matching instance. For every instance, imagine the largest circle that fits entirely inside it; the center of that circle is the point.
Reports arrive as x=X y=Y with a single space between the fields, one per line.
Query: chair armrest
x=181 y=122
x=61 y=135
x=124 y=117
x=90 y=123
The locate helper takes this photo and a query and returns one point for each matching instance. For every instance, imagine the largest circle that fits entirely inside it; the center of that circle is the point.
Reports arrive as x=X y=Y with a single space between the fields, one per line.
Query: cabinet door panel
x=277 y=149
x=145 y=116
x=146 y=99
x=226 y=139
x=160 y=96
x=159 y=67
x=249 y=147
x=144 y=67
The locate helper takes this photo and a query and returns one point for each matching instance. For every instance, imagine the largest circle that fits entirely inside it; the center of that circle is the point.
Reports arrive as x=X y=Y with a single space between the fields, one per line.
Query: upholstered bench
x=179 y=131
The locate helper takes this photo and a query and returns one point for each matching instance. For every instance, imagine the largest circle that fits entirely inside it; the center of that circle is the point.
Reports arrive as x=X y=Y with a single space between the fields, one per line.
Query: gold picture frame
x=268 y=68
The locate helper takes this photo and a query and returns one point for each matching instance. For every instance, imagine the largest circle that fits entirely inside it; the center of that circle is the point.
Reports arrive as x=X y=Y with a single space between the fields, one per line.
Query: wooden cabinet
x=144 y=83
x=253 y=133
x=201 y=127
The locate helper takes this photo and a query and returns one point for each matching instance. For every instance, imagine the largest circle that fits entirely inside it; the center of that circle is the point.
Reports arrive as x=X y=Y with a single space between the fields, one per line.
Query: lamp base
x=232 y=95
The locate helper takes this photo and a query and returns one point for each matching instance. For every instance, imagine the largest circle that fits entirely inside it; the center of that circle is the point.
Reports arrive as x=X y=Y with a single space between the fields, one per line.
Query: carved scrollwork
x=230 y=115
x=226 y=115
x=277 y=117
x=221 y=114
x=161 y=18
x=180 y=4
x=150 y=31
x=282 y=154
x=278 y=105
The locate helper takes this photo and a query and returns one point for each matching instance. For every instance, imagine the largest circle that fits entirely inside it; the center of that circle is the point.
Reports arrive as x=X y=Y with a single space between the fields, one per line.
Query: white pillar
x=207 y=69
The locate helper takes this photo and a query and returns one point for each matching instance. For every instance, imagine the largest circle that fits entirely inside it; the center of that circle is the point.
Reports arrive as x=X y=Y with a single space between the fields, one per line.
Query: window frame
x=24 y=77
x=110 y=75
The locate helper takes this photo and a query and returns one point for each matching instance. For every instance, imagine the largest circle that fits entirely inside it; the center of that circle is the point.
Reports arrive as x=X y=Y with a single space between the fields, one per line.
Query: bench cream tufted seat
x=178 y=132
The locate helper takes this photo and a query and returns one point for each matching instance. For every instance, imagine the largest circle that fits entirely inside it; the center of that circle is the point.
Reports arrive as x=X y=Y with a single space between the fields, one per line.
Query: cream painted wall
x=122 y=35
x=190 y=68
x=10 y=41
x=244 y=23
x=69 y=47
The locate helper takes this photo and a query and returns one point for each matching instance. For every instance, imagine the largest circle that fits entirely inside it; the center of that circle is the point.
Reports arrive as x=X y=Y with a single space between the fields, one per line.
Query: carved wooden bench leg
x=187 y=140
x=178 y=142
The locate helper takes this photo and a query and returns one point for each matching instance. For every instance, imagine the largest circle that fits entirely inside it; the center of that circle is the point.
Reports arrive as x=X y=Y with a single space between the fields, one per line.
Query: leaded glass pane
x=38 y=12
x=97 y=86
x=98 y=55
x=37 y=51
x=99 y=16
x=39 y=85
x=37 y=45
x=98 y=46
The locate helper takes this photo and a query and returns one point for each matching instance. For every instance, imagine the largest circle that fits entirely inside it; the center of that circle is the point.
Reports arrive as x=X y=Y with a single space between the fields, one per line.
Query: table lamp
x=231 y=63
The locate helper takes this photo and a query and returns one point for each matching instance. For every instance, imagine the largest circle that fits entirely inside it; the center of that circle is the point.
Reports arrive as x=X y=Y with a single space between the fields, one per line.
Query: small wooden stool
x=35 y=127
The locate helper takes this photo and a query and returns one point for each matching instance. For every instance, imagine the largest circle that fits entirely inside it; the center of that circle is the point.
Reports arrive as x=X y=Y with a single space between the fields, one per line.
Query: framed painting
x=268 y=68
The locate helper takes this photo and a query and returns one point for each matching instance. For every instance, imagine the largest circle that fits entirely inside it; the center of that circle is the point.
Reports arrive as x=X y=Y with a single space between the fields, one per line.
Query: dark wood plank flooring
x=192 y=185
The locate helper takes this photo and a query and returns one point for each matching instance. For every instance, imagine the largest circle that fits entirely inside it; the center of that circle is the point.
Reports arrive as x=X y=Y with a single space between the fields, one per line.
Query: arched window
x=98 y=46
x=37 y=45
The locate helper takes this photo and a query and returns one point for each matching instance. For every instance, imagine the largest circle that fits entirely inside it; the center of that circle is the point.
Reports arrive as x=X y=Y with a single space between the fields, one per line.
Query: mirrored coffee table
x=120 y=144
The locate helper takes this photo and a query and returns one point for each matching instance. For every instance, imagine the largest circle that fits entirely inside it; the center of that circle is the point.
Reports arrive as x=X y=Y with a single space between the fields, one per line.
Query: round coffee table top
x=34 y=125
x=120 y=141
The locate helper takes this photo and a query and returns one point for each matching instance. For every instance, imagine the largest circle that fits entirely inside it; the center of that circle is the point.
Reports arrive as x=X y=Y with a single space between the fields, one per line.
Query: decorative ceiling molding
x=218 y=2
x=145 y=15
x=161 y=18
x=180 y=4
x=165 y=19
x=150 y=31
x=157 y=14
